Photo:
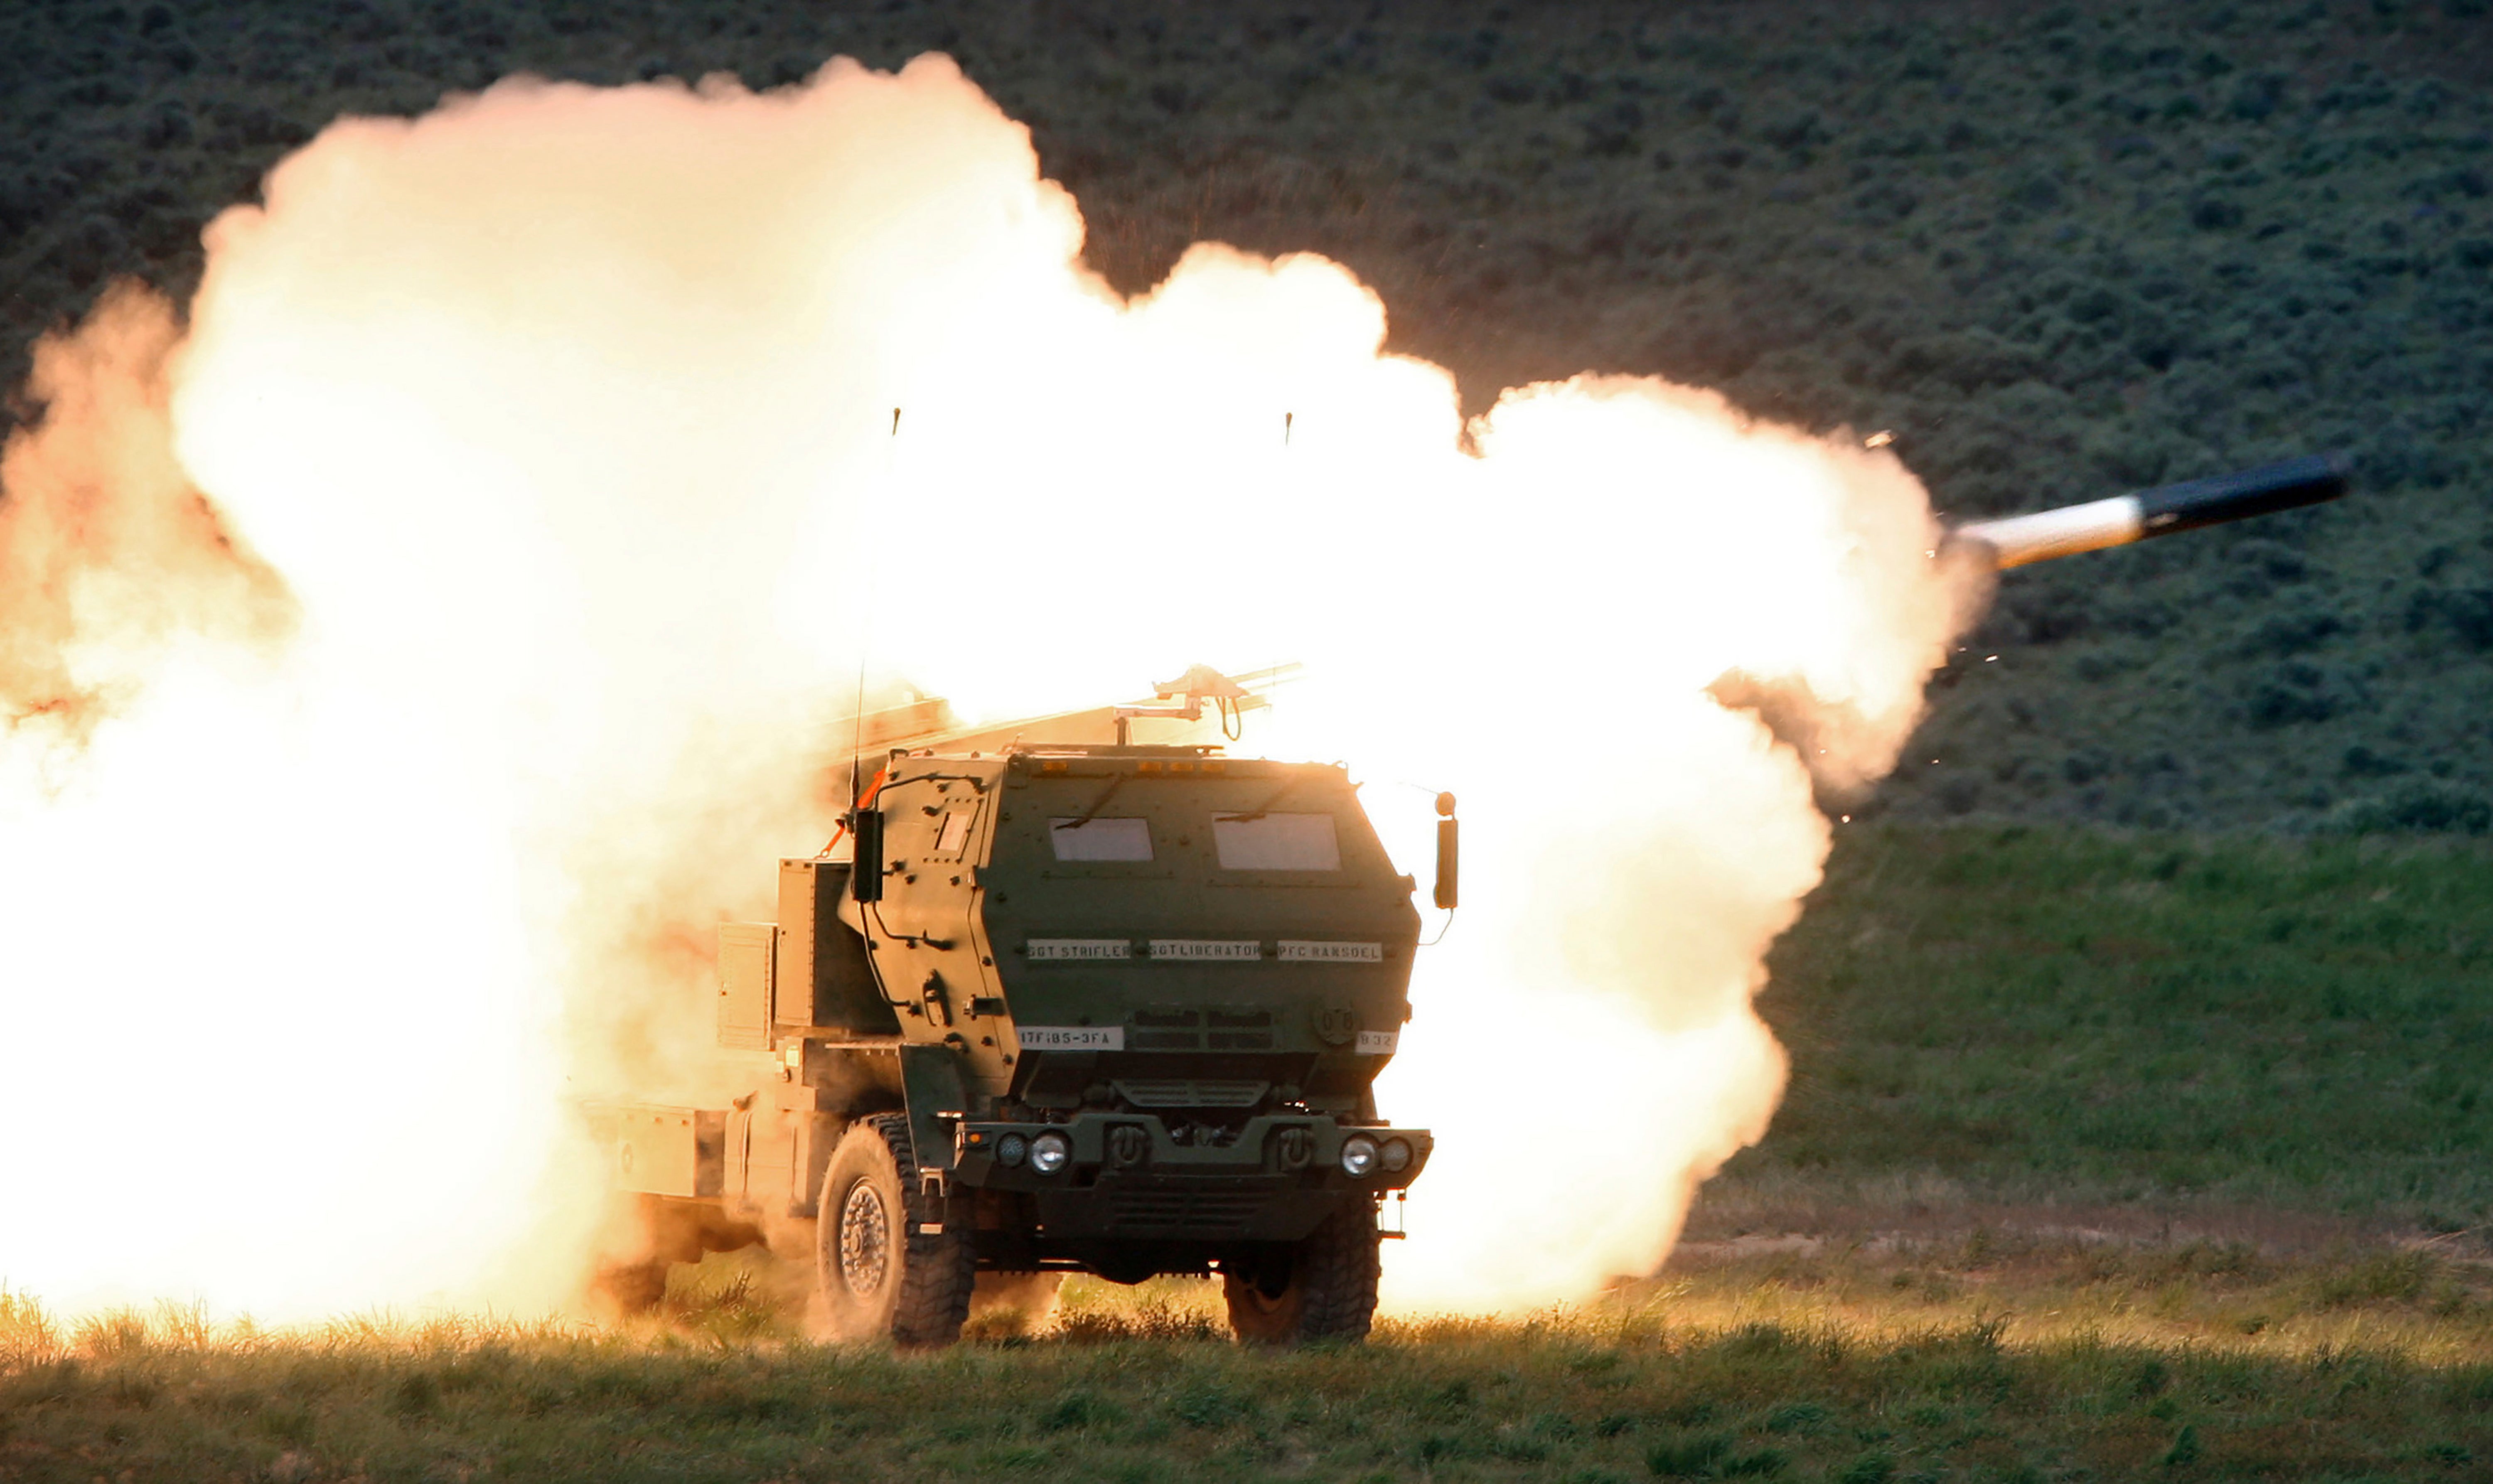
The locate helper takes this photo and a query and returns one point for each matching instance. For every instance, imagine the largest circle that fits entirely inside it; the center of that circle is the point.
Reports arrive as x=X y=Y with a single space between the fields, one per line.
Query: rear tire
x=1328 y=1293
x=882 y=1274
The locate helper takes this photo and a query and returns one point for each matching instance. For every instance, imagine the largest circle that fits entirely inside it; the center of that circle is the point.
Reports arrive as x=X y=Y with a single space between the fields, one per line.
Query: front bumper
x=1128 y=1179
x=1298 y=1148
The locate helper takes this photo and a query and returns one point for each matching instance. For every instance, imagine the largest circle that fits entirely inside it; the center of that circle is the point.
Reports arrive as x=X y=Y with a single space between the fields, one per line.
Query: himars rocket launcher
x=1064 y=1000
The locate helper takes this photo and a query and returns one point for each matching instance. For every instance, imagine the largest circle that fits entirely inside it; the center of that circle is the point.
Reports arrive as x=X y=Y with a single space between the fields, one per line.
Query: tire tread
x=1340 y=1265
x=1331 y=1293
x=940 y=1268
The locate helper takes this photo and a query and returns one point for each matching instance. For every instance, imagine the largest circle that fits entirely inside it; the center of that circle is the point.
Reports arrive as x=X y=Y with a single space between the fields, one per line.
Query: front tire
x=881 y=1272
x=1326 y=1291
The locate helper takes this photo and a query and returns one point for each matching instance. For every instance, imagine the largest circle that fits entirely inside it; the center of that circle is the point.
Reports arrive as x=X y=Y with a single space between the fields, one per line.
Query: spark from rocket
x=475 y=569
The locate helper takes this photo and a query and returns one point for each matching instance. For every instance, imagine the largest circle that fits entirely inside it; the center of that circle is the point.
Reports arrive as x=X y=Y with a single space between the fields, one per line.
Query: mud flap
x=930 y=1079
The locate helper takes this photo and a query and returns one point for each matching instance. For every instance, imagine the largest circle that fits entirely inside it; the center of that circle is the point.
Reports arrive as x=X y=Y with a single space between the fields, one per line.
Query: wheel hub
x=865 y=1240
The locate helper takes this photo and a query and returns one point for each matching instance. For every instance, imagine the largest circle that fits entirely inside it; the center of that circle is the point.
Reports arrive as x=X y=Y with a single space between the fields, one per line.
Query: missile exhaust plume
x=476 y=585
x=107 y=551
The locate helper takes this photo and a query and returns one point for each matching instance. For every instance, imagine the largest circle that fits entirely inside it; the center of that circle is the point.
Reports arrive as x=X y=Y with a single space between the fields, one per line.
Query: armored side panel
x=668 y=1151
x=823 y=976
x=777 y=1142
x=746 y=954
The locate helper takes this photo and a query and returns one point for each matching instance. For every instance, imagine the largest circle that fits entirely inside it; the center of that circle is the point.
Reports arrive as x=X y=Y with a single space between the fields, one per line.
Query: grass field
x=2108 y=1157
x=1738 y=1372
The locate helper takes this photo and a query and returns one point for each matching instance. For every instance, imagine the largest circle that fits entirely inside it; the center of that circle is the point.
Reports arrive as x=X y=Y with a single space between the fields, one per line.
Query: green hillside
x=2013 y=1017
x=2058 y=250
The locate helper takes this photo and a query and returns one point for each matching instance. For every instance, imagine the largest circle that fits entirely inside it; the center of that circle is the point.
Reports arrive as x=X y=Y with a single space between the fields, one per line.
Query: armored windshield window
x=1275 y=843
x=1101 y=839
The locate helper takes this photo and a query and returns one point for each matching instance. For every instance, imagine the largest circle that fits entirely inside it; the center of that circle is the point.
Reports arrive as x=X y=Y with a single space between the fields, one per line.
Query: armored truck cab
x=1102 y=1008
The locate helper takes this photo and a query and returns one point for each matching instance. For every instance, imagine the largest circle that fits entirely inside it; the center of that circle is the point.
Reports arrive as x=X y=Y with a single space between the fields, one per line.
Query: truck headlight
x=1398 y=1155
x=1013 y=1149
x=1048 y=1152
x=1358 y=1155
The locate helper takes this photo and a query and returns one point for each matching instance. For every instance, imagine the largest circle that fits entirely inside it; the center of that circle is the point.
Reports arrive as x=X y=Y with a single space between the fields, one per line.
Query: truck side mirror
x=865 y=874
x=1448 y=851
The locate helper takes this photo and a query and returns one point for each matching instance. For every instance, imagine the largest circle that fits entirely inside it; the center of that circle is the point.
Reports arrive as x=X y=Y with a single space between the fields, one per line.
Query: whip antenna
x=865 y=640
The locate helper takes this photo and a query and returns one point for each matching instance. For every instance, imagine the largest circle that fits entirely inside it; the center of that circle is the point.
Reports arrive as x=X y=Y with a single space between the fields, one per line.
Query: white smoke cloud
x=564 y=415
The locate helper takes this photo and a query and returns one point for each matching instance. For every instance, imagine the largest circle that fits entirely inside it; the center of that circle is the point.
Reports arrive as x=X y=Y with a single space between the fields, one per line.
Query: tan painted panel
x=746 y=954
x=668 y=1151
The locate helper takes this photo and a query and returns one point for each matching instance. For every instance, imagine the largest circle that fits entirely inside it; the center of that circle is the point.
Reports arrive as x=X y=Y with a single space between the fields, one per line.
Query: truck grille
x=1238 y=1029
x=1164 y=1212
x=1188 y=1092
x=1173 y=1029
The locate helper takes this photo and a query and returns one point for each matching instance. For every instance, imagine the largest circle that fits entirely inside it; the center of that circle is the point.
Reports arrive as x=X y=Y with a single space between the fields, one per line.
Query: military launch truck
x=1060 y=1002
x=1050 y=1005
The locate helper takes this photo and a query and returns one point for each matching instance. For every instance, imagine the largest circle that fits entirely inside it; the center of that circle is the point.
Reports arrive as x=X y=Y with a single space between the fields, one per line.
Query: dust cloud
x=557 y=426
x=107 y=552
